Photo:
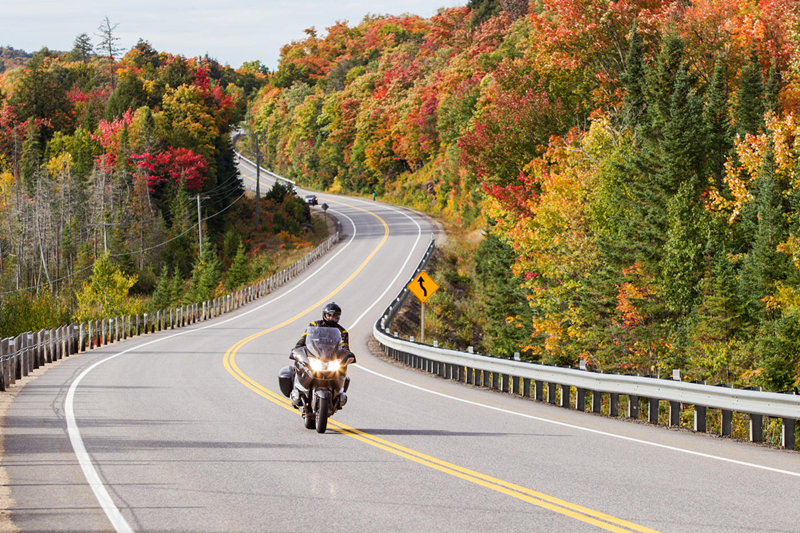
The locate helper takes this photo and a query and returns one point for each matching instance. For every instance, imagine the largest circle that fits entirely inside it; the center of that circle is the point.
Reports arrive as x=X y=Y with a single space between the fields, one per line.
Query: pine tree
x=162 y=295
x=682 y=266
x=504 y=298
x=483 y=10
x=31 y=154
x=764 y=265
x=82 y=48
x=661 y=79
x=683 y=150
x=772 y=90
x=634 y=104
x=206 y=275
x=718 y=136
x=748 y=112
x=239 y=272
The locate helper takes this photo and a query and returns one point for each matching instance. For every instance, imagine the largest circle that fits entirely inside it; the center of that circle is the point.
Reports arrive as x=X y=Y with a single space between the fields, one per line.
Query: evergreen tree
x=748 y=113
x=719 y=142
x=181 y=248
x=239 y=272
x=682 y=150
x=772 y=90
x=634 y=104
x=31 y=154
x=507 y=309
x=162 y=295
x=764 y=265
x=483 y=10
x=206 y=275
x=82 y=48
x=682 y=266
x=661 y=79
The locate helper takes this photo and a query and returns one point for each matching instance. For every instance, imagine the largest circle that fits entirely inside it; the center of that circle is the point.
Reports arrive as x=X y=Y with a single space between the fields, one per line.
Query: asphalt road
x=187 y=431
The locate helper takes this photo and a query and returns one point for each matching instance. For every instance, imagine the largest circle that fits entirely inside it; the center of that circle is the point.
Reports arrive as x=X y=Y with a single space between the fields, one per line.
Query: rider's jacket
x=326 y=324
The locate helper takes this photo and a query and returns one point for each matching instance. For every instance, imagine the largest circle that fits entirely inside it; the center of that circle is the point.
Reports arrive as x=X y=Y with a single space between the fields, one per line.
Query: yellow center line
x=589 y=516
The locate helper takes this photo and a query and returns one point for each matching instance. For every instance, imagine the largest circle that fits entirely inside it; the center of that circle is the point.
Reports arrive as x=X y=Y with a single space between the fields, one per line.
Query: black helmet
x=332 y=310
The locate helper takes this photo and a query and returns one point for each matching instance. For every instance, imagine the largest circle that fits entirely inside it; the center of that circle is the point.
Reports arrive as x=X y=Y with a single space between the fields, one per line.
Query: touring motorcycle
x=317 y=382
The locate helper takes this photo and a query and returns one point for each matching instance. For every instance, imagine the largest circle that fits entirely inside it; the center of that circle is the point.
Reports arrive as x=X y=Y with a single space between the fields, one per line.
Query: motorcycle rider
x=330 y=319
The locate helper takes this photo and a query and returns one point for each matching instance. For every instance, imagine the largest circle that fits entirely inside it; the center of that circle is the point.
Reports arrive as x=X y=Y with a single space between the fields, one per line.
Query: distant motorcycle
x=317 y=382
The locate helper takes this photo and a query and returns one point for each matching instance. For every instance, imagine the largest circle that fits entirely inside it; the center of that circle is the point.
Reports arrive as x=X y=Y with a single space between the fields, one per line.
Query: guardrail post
x=652 y=411
x=674 y=413
x=16 y=361
x=500 y=381
x=526 y=387
x=787 y=435
x=515 y=382
x=116 y=329
x=23 y=350
x=33 y=362
x=726 y=427
x=82 y=338
x=580 y=399
x=104 y=339
x=597 y=402
x=4 y=367
x=700 y=418
x=487 y=382
x=551 y=392
x=613 y=408
x=565 y=391
x=538 y=387
x=44 y=340
x=633 y=406
x=36 y=350
x=756 y=428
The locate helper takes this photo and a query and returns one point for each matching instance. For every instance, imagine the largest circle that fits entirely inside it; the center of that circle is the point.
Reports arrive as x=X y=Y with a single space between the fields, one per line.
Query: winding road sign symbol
x=423 y=286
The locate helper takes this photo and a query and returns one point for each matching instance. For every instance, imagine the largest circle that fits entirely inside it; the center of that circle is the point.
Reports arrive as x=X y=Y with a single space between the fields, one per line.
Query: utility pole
x=200 y=221
x=258 y=179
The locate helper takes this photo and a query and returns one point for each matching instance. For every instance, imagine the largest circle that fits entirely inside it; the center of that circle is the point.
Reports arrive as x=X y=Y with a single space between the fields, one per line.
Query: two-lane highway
x=186 y=431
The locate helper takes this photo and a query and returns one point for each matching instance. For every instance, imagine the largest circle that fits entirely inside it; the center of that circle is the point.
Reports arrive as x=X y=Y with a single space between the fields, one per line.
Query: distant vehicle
x=311 y=199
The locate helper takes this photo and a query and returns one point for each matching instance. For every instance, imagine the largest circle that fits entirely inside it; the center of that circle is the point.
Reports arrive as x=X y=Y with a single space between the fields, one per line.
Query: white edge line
x=581 y=428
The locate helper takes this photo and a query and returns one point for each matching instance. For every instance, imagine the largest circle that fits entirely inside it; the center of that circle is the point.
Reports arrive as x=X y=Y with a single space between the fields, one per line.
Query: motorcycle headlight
x=315 y=364
x=334 y=365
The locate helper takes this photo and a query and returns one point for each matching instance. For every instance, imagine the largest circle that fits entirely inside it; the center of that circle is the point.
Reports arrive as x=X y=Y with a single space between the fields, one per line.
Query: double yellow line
x=589 y=516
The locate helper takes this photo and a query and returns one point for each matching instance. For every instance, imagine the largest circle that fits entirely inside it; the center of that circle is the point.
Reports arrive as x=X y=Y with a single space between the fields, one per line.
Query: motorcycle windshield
x=322 y=342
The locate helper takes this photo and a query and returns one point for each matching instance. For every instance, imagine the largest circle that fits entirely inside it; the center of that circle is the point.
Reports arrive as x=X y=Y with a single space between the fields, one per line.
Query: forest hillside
x=632 y=164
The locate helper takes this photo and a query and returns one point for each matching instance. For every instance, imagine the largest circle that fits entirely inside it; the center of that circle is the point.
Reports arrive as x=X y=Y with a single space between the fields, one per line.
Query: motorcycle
x=317 y=383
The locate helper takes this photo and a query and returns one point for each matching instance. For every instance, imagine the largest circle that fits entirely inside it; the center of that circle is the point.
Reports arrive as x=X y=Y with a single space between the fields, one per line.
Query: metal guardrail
x=30 y=350
x=519 y=377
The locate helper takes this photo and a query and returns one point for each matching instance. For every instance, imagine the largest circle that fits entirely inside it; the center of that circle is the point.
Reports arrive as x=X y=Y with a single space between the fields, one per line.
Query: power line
x=32 y=287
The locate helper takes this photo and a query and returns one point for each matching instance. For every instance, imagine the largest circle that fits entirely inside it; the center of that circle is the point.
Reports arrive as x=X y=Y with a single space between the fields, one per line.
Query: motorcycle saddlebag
x=286 y=380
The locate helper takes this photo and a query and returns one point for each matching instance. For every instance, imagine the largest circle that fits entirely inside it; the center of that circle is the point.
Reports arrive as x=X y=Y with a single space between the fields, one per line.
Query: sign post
x=423 y=287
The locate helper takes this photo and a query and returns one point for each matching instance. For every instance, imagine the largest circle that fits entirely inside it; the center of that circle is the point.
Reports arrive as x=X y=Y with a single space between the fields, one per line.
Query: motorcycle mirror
x=292 y=357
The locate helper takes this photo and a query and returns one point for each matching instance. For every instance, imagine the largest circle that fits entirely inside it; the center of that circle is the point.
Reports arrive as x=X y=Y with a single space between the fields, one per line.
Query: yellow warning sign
x=422 y=286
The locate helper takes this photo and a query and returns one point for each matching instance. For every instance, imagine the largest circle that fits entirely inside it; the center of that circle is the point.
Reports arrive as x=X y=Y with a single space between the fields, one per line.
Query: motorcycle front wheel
x=322 y=414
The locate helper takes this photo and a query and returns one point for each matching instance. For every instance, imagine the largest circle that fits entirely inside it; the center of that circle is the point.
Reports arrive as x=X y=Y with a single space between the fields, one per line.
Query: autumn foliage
x=637 y=157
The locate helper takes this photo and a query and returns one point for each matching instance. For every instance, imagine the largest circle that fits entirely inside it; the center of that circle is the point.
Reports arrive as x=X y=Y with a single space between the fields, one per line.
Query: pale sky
x=232 y=32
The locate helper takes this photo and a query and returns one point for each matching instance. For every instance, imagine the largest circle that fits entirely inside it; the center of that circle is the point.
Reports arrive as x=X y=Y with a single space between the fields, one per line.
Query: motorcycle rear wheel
x=322 y=415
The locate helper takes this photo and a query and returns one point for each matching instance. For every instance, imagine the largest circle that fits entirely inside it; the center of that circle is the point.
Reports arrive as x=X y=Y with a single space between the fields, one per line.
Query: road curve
x=186 y=431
